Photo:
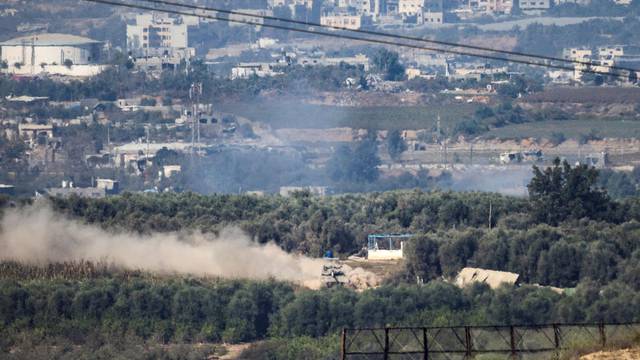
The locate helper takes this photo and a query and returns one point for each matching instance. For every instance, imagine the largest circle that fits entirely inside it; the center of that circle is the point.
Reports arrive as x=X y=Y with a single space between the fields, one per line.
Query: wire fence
x=467 y=342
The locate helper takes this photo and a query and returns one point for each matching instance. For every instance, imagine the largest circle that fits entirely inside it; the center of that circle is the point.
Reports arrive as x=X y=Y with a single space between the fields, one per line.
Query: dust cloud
x=37 y=235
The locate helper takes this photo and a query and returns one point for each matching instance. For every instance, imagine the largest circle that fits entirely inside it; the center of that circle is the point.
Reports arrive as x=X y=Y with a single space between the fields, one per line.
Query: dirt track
x=626 y=354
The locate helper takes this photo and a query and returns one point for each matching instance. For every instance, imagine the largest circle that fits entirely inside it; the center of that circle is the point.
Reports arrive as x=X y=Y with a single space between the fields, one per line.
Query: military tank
x=333 y=275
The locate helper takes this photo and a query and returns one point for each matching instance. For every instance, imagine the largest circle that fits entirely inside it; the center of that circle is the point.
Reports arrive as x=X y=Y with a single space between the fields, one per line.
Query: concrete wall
x=384 y=254
x=395 y=254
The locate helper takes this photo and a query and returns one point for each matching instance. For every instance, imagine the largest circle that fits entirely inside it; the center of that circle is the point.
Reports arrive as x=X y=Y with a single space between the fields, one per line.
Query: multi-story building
x=410 y=7
x=429 y=17
x=158 y=35
x=577 y=54
x=426 y=11
x=390 y=7
x=610 y=52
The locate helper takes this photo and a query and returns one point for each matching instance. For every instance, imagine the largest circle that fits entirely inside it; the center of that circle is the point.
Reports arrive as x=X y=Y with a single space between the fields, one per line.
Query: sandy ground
x=234 y=351
x=626 y=354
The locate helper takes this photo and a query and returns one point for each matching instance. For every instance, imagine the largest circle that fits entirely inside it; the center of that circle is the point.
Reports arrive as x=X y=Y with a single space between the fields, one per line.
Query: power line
x=377 y=33
x=350 y=37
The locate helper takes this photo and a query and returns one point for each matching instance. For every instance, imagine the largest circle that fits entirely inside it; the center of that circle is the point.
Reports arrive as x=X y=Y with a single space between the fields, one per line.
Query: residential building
x=357 y=60
x=170 y=170
x=410 y=7
x=111 y=187
x=67 y=190
x=50 y=53
x=577 y=54
x=247 y=70
x=158 y=35
x=33 y=131
x=429 y=17
x=390 y=7
x=609 y=52
x=345 y=21
x=534 y=6
x=490 y=7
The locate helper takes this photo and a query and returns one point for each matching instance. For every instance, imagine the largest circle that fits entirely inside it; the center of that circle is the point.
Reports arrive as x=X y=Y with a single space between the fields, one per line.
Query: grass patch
x=291 y=114
x=571 y=129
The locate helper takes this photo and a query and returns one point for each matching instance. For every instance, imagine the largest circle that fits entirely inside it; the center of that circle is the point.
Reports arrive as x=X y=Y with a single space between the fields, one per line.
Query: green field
x=299 y=115
x=290 y=114
x=572 y=129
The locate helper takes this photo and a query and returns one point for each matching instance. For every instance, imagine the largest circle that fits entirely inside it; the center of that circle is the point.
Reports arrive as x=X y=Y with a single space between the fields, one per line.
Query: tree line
x=189 y=310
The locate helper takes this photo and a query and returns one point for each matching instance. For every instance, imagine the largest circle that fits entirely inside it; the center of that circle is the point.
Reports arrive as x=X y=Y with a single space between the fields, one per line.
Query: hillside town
x=142 y=140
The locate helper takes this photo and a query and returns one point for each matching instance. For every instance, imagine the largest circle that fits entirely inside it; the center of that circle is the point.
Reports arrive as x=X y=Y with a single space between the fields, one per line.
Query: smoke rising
x=36 y=235
x=506 y=180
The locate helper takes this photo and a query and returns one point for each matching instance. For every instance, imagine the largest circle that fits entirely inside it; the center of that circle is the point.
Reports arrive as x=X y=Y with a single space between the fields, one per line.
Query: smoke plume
x=36 y=235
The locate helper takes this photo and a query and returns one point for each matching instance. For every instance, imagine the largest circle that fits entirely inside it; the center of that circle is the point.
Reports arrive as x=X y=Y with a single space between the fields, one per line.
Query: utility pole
x=194 y=94
x=490 y=214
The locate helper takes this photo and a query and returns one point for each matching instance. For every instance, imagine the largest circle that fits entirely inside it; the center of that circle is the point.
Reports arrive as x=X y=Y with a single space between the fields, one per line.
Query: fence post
x=556 y=339
x=343 y=344
x=425 y=343
x=512 y=337
x=603 y=335
x=467 y=340
x=386 y=343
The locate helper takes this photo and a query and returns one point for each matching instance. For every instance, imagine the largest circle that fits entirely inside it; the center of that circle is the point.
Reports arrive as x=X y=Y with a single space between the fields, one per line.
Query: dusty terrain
x=626 y=354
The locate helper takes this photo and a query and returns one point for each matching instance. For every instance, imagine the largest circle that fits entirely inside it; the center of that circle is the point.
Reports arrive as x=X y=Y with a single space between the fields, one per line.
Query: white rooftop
x=49 y=40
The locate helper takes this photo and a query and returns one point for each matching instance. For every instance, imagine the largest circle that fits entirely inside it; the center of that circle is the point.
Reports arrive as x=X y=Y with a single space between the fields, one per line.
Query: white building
x=534 y=6
x=55 y=54
x=357 y=60
x=345 y=21
x=410 y=7
x=32 y=131
x=366 y=7
x=490 y=7
x=247 y=70
x=577 y=54
x=429 y=17
x=158 y=35
x=610 y=52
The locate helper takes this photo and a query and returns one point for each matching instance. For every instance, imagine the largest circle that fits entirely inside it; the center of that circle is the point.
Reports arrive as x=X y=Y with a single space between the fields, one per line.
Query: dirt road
x=626 y=354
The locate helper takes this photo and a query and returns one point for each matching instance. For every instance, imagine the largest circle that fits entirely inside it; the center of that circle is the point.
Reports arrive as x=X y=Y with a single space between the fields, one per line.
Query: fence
x=466 y=342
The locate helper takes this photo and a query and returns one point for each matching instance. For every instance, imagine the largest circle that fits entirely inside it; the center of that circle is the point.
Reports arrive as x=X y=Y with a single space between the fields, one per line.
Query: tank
x=333 y=275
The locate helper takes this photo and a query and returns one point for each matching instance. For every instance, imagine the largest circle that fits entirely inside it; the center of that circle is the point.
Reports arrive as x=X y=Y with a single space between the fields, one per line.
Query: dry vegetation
x=596 y=95
x=626 y=354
